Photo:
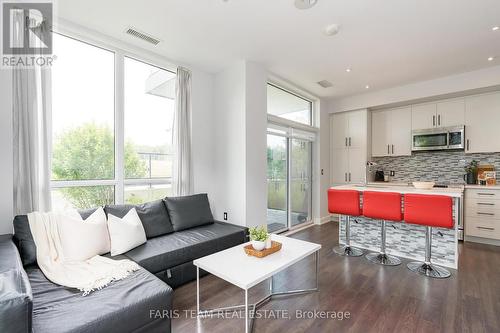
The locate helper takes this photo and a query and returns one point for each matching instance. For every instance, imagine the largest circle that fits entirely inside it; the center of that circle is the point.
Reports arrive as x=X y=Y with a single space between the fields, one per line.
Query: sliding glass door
x=289 y=169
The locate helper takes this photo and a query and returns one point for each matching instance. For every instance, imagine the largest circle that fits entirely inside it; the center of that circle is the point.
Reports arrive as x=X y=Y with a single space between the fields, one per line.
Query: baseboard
x=481 y=240
x=322 y=220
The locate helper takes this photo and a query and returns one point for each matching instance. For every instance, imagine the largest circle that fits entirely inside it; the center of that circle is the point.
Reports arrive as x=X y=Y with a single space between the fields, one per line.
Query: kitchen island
x=402 y=239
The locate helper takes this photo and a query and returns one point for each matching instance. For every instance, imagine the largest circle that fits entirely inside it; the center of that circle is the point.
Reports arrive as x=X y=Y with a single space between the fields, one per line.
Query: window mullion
x=119 y=128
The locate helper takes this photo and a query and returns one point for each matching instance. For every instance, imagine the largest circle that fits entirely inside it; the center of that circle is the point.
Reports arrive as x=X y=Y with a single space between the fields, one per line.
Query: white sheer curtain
x=32 y=135
x=181 y=177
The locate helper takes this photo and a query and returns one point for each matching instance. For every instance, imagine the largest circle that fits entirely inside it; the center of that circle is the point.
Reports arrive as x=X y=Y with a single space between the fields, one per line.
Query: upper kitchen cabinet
x=441 y=114
x=391 y=132
x=423 y=116
x=348 y=146
x=482 y=119
x=451 y=112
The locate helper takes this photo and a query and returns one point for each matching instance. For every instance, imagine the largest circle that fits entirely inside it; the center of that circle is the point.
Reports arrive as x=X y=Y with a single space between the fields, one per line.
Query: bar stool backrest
x=382 y=205
x=344 y=202
x=428 y=210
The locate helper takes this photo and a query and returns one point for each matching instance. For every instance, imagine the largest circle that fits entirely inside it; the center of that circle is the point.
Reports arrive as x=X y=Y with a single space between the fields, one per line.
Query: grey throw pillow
x=189 y=211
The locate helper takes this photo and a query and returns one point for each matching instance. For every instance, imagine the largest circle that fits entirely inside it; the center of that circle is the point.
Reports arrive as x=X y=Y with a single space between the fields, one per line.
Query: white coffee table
x=236 y=267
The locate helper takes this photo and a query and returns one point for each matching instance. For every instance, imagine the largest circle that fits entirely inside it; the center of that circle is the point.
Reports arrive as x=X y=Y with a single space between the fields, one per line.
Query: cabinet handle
x=349 y=176
x=486 y=228
x=345 y=176
x=349 y=141
x=433 y=120
x=387 y=149
x=486 y=203
x=481 y=213
x=480 y=193
x=439 y=120
x=393 y=149
x=467 y=144
x=345 y=141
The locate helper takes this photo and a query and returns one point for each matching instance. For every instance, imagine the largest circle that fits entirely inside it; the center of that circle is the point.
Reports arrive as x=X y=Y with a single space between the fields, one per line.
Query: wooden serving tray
x=275 y=247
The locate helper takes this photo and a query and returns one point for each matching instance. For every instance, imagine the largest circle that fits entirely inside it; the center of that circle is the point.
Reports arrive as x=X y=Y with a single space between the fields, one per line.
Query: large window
x=106 y=148
x=288 y=105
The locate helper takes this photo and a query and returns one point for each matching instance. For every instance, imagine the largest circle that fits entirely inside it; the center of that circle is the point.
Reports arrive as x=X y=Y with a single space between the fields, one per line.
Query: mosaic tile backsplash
x=440 y=166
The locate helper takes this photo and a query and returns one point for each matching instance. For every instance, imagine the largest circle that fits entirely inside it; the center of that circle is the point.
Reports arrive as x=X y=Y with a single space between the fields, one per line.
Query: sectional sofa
x=178 y=230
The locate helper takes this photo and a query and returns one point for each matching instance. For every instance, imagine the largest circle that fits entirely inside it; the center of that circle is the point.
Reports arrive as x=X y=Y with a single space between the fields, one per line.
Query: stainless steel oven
x=444 y=138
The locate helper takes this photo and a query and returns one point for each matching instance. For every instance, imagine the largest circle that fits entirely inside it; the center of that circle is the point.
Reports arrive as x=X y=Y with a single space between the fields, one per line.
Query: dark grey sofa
x=179 y=230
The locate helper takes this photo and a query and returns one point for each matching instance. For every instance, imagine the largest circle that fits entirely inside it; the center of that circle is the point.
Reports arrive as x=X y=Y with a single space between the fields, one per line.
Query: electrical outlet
x=392 y=173
x=225 y=216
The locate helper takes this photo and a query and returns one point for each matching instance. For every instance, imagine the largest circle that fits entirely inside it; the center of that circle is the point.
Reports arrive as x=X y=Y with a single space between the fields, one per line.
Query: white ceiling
x=385 y=42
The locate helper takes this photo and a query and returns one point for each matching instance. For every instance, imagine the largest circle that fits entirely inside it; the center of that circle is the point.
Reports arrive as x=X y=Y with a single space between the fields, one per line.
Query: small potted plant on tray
x=258 y=237
x=471 y=172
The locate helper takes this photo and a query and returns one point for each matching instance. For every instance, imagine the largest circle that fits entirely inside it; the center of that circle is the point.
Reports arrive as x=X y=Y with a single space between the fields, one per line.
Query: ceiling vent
x=141 y=35
x=325 y=84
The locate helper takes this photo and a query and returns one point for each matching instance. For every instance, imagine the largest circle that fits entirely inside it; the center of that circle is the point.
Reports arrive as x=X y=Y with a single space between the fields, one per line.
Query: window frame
x=311 y=101
x=120 y=181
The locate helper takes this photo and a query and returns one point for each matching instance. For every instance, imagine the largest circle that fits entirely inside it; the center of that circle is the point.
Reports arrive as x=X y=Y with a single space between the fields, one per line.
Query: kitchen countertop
x=483 y=187
x=455 y=192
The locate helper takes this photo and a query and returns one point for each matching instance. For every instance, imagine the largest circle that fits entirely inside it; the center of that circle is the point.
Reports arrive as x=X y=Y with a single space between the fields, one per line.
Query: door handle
x=439 y=120
x=433 y=120
x=393 y=149
x=349 y=141
x=349 y=176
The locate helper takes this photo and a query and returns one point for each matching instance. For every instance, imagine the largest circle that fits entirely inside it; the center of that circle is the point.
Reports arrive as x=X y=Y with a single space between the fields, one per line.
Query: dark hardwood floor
x=379 y=299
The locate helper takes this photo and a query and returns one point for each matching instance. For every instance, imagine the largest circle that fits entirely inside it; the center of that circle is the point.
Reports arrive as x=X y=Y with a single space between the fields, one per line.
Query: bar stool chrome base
x=383 y=259
x=347 y=251
x=429 y=270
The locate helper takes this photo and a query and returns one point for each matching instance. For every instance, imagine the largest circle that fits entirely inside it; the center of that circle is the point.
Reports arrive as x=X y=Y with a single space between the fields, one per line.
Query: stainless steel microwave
x=443 y=138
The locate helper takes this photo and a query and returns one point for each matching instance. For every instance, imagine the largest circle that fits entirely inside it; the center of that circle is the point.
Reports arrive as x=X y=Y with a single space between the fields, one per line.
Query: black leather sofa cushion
x=24 y=240
x=189 y=211
x=123 y=306
x=16 y=299
x=153 y=215
x=167 y=251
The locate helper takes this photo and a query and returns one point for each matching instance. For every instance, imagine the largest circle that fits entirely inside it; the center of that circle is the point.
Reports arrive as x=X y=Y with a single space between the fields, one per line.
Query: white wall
x=324 y=162
x=6 y=168
x=488 y=77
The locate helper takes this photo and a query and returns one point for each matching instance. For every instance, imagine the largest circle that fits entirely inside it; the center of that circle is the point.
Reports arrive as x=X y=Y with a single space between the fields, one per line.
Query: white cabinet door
x=423 y=116
x=381 y=132
x=482 y=119
x=357 y=130
x=339 y=165
x=339 y=128
x=451 y=112
x=401 y=132
x=357 y=165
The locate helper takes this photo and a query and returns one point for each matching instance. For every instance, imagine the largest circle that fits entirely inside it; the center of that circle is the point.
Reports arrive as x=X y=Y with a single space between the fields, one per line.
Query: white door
x=482 y=119
x=357 y=165
x=451 y=112
x=401 y=132
x=339 y=128
x=423 y=116
x=357 y=130
x=340 y=165
x=381 y=132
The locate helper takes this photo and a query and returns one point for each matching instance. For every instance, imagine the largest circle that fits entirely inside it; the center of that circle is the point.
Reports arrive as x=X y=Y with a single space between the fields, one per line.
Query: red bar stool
x=345 y=202
x=430 y=211
x=385 y=206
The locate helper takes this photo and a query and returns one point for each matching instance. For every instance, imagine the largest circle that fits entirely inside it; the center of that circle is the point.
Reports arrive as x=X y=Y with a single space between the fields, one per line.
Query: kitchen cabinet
x=348 y=146
x=441 y=114
x=391 y=132
x=482 y=117
x=482 y=213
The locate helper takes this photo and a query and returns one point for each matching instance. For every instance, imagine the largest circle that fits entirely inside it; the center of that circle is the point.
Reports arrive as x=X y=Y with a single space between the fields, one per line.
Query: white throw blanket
x=87 y=276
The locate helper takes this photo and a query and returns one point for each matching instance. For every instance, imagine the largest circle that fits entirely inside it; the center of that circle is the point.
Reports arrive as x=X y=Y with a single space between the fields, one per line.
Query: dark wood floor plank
x=379 y=299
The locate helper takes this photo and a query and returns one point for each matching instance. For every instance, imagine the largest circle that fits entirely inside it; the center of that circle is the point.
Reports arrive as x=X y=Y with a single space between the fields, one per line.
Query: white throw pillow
x=125 y=233
x=82 y=240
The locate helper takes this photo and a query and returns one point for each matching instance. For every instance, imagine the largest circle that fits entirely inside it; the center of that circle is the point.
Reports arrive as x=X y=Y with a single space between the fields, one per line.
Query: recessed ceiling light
x=348 y=70
x=495 y=28
x=331 y=29
x=491 y=58
x=305 y=4
x=367 y=87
